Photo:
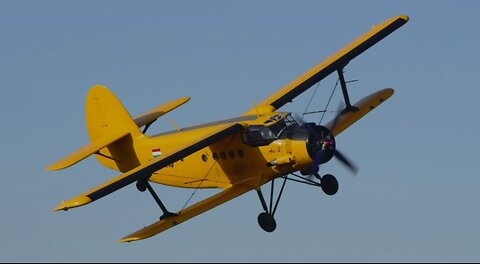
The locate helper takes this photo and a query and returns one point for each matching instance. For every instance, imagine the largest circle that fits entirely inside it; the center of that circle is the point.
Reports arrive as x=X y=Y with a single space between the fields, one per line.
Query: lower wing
x=188 y=213
x=363 y=107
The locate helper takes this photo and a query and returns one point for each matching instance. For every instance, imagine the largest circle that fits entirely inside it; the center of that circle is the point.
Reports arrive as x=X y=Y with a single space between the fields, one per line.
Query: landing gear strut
x=328 y=182
x=266 y=219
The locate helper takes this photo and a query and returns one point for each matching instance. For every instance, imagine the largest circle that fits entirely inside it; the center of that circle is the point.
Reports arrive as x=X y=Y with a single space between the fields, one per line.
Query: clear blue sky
x=416 y=197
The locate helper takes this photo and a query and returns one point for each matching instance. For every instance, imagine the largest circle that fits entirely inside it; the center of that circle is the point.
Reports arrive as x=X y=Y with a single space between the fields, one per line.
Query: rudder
x=105 y=115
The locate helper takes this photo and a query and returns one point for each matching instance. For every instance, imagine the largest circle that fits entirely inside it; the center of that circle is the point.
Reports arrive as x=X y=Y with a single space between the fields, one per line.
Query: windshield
x=261 y=135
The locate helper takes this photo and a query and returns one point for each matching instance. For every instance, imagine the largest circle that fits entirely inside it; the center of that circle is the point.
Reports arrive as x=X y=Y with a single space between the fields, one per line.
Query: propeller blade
x=337 y=117
x=345 y=161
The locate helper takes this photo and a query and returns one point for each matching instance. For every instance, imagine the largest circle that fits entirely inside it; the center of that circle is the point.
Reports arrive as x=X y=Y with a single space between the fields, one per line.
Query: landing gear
x=266 y=219
x=267 y=222
x=143 y=185
x=329 y=184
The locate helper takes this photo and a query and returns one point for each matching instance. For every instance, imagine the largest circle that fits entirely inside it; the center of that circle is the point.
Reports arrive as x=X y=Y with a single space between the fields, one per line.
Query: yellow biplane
x=236 y=155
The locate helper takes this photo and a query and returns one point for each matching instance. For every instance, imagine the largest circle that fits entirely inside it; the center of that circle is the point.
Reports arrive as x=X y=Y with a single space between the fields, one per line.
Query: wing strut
x=143 y=185
x=348 y=106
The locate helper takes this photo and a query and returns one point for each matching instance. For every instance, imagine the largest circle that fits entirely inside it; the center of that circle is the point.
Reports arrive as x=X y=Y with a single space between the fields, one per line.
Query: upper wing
x=146 y=170
x=335 y=62
x=188 y=213
x=155 y=113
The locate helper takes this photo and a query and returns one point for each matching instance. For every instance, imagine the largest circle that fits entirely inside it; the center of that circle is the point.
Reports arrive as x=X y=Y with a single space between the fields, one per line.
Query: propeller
x=342 y=158
x=346 y=162
x=325 y=147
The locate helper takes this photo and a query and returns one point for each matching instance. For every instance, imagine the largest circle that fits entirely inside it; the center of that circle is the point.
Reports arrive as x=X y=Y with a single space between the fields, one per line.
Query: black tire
x=267 y=222
x=329 y=184
x=141 y=185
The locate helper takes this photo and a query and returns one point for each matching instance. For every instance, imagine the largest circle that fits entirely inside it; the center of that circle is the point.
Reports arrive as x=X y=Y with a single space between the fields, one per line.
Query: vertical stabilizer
x=105 y=115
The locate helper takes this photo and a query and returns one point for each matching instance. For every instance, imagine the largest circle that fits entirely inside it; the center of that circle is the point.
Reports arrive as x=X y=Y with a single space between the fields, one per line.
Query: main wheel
x=267 y=222
x=329 y=184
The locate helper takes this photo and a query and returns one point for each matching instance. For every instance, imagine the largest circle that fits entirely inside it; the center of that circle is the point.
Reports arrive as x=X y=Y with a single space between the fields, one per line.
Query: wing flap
x=145 y=171
x=335 y=62
x=155 y=113
x=188 y=213
x=87 y=150
x=364 y=106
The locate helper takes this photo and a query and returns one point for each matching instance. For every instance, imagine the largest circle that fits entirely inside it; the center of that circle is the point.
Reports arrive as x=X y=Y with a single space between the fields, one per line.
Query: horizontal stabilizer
x=364 y=106
x=188 y=213
x=152 y=115
x=87 y=150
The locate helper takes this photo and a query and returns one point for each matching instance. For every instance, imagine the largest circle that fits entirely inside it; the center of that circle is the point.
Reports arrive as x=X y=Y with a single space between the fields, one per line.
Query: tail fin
x=112 y=133
x=106 y=115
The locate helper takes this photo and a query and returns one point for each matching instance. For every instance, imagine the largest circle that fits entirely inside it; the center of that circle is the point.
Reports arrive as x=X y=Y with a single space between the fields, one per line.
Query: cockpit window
x=261 y=135
x=258 y=135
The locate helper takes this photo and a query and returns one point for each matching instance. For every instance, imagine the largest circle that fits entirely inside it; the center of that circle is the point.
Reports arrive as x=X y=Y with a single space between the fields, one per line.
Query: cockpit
x=269 y=131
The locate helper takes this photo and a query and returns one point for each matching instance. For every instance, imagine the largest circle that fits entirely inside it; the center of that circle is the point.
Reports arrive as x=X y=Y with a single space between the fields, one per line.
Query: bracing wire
x=326 y=107
x=329 y=100
x=311 y=98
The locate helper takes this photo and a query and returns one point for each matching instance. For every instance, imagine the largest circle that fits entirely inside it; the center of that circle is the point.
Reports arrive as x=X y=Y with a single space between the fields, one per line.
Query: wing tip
x=75 y=202
x=388 y=92
x=128 y=239
x=404 y=17
x=55 y=166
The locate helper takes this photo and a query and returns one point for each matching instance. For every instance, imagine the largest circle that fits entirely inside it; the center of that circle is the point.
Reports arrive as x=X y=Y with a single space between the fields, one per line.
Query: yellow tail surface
x=105 y=115
x=113 y=133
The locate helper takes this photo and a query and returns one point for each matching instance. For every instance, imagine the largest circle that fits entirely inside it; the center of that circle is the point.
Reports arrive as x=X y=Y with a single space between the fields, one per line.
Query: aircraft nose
x=320 y=143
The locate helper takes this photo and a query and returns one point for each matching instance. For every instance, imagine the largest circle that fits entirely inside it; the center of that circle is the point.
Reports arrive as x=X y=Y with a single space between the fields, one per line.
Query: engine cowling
x=320 y=144
x=310 y=144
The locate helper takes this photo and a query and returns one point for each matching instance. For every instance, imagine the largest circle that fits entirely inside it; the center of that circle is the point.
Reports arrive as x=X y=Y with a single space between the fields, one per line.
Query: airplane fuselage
x=232 y=160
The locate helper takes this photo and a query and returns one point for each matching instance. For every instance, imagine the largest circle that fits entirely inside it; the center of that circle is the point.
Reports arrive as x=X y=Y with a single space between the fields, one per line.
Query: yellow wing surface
x=335 y=62
x=188 y=213
x=364 y=106
x=144 y=172
x=155 y=113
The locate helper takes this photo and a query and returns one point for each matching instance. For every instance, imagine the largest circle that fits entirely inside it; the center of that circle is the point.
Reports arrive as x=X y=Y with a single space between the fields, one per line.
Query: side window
x=258 y=136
